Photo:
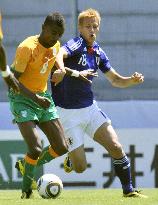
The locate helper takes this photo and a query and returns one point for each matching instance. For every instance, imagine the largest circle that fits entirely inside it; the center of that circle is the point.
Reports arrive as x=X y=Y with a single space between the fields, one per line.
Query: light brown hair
x=88 y=13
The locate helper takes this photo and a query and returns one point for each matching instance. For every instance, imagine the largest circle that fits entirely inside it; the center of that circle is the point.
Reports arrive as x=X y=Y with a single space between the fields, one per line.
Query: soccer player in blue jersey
x=77 y=109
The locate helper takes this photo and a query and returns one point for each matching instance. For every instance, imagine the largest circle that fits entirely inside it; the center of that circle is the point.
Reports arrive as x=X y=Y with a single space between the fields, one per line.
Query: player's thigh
x=73 y=117
x=31 y=137
x=48 y=114
x=97 y=118
x=75 y=139
x=78 y=159
x=55 y=134
x=106 y=136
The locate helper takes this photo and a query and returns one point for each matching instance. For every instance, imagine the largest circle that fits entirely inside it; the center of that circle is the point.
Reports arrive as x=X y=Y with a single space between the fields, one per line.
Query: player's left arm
x=82 y=75
x=58 y=74
x=120 y=81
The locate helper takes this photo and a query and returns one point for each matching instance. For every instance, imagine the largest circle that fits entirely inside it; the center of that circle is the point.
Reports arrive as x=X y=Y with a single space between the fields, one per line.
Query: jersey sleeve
x=73 y=46
x=104 y=65
x=22 y=57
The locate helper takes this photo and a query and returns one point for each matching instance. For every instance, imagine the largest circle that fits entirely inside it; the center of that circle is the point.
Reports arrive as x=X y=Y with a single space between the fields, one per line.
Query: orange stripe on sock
x=31 y=161
x=52 y=152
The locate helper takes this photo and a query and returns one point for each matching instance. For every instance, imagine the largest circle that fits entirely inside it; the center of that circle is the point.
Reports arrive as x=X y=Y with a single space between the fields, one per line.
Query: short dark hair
x=55 y=18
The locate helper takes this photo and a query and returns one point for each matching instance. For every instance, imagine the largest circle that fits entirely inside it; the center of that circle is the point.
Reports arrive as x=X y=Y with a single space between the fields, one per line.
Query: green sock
x=44 y=157
x=28 y=176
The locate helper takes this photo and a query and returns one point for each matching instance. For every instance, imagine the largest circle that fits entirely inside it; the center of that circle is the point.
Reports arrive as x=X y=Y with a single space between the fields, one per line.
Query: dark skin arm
x=42 y=101
x=10 y=79
x=57 y=77
x=2 y=58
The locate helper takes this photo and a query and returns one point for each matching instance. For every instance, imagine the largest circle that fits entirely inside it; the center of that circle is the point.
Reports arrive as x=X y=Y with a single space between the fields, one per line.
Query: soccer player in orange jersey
x=5 y=71
x=33 y=106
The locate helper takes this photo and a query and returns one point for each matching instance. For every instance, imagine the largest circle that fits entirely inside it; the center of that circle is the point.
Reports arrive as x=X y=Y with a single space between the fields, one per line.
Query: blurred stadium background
x=129 y=35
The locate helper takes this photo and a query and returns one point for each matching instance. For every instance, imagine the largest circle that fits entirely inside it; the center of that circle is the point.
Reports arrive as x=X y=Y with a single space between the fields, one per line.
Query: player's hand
x=12 y=82
x=43 y=101
x=58 y=76
x=137 y=78
x=87 y=73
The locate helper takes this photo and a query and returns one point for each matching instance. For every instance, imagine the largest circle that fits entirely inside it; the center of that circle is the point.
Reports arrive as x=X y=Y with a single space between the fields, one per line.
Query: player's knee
x=80 y=168
x=61 y=149
x=116 y=148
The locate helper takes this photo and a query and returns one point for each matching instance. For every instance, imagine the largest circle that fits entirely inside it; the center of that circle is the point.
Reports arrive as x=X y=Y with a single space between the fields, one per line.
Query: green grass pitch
x=80 y=197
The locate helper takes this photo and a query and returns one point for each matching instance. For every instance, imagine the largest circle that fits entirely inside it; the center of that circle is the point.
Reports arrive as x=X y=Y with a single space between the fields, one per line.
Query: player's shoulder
x=75 y=42
x=75 y=39
x=29 y=42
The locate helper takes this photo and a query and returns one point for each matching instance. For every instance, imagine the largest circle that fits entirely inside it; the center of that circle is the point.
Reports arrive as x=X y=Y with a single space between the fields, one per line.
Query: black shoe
x=27 y=194
x=67 y=165
x=135 y=193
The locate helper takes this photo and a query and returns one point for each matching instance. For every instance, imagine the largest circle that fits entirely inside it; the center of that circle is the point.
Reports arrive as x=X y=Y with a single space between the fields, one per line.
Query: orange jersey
x=35 y=63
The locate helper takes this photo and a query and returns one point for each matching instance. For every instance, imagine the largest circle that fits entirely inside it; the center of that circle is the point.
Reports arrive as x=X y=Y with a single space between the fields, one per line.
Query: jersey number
x=83 y=60
x=44 y=68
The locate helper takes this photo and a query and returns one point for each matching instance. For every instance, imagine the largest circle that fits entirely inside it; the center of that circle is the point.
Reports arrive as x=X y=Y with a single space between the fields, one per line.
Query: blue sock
x=122 y=170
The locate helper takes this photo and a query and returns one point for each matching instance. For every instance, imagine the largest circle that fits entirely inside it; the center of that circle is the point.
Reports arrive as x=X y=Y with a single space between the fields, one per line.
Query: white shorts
x=80 y=122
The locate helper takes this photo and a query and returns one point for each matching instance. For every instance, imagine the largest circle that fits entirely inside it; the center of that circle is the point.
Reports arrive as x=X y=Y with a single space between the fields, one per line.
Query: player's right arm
x=42 y=101
x=6 y=73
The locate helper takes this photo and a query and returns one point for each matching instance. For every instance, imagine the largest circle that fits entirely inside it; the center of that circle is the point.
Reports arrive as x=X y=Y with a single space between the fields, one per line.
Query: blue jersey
x=72 y=92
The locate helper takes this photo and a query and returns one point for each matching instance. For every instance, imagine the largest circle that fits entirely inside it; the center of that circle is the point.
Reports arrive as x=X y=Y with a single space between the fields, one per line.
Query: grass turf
x=80 y=197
